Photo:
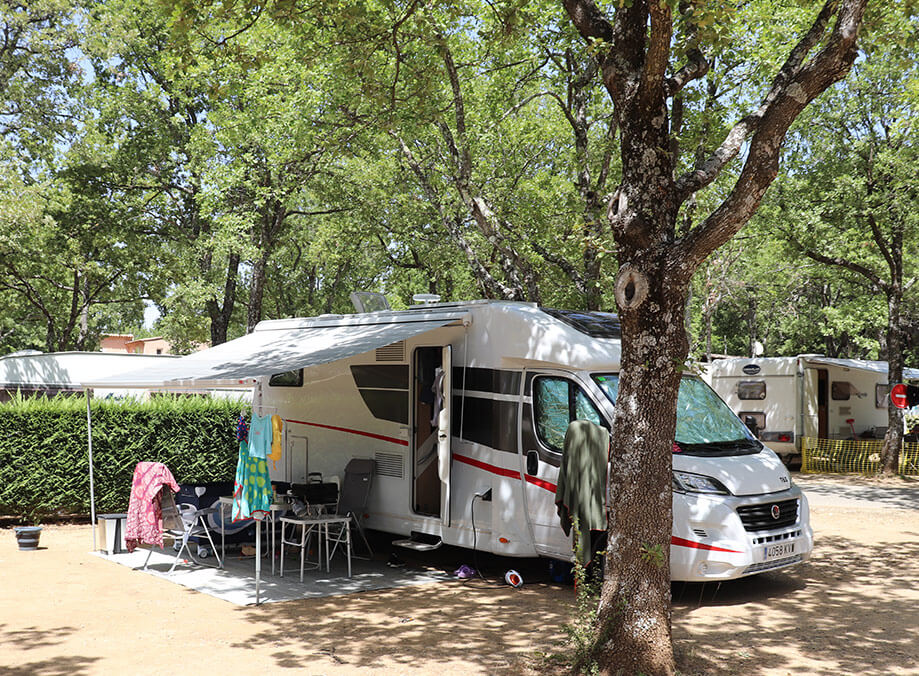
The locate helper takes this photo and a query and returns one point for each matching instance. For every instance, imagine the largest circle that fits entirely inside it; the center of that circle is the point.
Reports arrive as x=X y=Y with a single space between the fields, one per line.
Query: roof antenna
x=426 y=298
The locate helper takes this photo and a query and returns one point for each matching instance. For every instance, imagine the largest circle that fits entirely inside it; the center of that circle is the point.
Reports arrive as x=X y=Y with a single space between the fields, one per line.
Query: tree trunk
x=635 y=609
x=220 y=313
x=893 y=439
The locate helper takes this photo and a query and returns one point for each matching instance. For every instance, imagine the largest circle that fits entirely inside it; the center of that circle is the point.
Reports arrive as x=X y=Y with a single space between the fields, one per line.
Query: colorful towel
x=252 y=491
x=145 y=515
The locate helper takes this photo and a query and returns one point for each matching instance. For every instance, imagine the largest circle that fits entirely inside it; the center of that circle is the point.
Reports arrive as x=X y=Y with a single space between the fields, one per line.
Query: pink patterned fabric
x=145 y=517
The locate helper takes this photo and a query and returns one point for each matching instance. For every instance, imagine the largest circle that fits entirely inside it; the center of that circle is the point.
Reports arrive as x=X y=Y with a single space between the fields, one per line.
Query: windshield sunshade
x=705 y=425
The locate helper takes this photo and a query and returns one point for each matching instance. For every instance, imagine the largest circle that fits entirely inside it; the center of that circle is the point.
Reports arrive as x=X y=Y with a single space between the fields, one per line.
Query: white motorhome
x=789 y=398
x=464 y=408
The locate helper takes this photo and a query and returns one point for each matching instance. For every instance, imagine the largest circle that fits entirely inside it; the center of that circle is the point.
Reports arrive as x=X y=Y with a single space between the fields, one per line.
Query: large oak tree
x=649 y=52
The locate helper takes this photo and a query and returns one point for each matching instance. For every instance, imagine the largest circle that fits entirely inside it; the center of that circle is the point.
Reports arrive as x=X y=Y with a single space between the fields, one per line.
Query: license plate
x=778 y=551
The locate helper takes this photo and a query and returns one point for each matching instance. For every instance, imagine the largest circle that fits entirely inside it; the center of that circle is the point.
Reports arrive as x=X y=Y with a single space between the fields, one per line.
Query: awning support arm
x=89 y=437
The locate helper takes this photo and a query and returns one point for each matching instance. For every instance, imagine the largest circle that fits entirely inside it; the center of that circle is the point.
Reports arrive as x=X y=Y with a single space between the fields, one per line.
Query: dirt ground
x=853 y=609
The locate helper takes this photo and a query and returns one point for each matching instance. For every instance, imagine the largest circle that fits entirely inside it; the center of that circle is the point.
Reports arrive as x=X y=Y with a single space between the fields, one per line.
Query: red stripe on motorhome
x=680 y=542
x=536 y=481
x=392 y=440
x=494 y=469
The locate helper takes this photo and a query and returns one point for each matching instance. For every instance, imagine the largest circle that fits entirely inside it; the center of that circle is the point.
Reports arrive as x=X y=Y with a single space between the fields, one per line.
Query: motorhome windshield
x=704 y=423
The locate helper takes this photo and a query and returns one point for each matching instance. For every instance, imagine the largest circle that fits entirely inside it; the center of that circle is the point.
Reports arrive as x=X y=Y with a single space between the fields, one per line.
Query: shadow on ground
x=33 y=638
x=826 y=617
x=485 y=622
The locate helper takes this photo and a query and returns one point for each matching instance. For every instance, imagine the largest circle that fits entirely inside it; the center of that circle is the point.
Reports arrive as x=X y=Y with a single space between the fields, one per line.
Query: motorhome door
x=552 y=399
x=431 y=454
x=814 y=406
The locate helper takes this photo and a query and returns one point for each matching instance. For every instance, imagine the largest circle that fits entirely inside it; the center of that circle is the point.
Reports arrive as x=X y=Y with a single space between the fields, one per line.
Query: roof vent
x=369 y=301
x=426 y=298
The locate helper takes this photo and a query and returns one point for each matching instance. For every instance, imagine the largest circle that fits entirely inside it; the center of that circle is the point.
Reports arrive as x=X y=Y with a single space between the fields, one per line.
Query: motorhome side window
x=841 y=390
x=751 y=389
x=881 y=392
x=556 y=402
x=287 y=379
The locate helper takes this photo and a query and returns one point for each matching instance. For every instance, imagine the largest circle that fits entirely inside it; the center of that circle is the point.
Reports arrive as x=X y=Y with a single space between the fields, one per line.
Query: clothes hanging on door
x=438 y=389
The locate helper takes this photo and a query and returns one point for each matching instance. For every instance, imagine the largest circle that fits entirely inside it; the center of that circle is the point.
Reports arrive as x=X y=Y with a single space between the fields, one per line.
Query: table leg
x=223 y=535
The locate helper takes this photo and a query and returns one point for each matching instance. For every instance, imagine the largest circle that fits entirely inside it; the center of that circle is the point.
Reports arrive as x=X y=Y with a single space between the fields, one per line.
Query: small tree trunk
x=893 y=440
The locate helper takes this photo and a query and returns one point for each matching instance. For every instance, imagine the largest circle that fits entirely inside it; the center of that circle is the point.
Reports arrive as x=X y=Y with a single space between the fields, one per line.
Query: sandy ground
x=853 y=609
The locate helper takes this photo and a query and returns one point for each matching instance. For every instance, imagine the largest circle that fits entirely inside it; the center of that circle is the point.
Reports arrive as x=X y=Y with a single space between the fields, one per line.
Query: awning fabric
x=275 y=350
x=862 y=364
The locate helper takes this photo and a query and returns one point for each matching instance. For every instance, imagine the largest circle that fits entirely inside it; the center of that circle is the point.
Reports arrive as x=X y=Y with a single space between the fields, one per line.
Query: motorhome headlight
x=686 y=482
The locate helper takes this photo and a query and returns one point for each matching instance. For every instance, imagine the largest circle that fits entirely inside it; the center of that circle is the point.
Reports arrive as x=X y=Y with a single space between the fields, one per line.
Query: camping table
x=275 y=508
x=321 y=524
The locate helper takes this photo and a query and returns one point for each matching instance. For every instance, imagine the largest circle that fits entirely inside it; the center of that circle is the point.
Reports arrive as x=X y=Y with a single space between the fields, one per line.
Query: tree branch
x=794 y=87
x=703 y=175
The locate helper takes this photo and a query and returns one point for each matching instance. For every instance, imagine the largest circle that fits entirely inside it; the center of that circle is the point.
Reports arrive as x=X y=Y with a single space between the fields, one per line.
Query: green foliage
x=584 y=633
x=43 y=449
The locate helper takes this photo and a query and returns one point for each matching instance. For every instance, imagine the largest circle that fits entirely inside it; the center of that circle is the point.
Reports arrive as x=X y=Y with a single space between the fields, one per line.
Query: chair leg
x=360 y=531
x=207 y=532
x=149 y=554
x=183 y=548
x=283 y=526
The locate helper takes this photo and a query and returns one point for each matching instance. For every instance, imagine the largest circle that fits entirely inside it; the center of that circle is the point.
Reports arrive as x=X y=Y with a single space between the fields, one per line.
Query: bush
x=43 y=449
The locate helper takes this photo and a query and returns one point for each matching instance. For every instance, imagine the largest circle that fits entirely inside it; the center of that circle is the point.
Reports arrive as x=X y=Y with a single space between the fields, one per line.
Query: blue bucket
x=27 y=537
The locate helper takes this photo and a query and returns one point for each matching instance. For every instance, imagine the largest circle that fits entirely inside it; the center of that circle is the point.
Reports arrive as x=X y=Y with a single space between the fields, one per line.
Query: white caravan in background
x=464 y=407
x=788 y=398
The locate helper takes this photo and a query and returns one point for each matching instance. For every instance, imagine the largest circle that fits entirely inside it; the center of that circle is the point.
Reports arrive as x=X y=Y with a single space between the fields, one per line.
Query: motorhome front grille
x=394 y=352
x=769 y=515
x=770 y=565
x=790 y=535
x=389 y=464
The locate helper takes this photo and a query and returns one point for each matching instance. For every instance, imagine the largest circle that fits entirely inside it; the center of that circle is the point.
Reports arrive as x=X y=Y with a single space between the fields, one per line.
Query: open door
x=431 y=449
x=814 y=406
x=444 y=453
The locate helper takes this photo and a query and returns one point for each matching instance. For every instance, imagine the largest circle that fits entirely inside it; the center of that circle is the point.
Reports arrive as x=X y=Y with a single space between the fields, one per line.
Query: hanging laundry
x=260 y=433
x=145 y=516
x=277 y=427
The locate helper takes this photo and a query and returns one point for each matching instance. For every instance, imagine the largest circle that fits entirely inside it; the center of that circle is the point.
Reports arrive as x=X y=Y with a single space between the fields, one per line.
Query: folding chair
x=352 y=500
x=184 y=522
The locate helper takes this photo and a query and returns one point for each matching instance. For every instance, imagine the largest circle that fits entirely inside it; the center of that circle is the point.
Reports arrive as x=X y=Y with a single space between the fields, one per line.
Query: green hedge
x=43 y=449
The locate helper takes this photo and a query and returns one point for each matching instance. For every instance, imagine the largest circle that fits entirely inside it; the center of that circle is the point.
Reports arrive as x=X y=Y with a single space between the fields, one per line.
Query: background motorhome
x=790 y=398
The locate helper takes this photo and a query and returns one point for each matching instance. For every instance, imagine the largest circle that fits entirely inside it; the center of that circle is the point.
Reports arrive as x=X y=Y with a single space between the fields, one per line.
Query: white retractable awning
x=860 y=364
x=281 y=346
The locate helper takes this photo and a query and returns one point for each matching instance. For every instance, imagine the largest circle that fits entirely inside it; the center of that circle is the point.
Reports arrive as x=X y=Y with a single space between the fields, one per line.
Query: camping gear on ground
x=27 y=537
x=330 y=530
x=145 y=519
x=464 y=572
x=582 y=483
x=111 y=529
x=184 y=522
x=207 y=494
x=317 y=492
x=514 y=579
